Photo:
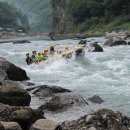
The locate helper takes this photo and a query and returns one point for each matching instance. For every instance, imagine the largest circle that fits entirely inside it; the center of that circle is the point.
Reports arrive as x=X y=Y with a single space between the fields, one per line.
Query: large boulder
x=48 y=91
x=11 y=126
x=12 y=93
x=25 y=116
x=6 y=110
x=95 y=47
x=13 y=72
x=100 y=120
x=114 y=41
x=62 y=102
x=45 y=124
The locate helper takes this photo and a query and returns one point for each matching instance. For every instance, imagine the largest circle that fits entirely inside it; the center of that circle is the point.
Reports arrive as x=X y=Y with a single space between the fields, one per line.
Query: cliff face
x=61 y=24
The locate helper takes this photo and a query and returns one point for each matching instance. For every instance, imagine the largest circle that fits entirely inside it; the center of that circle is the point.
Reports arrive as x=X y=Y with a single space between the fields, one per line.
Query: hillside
x=91 y=15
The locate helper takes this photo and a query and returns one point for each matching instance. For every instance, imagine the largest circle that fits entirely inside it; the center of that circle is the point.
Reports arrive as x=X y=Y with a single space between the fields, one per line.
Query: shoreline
x=33 y=38
x=56 y=37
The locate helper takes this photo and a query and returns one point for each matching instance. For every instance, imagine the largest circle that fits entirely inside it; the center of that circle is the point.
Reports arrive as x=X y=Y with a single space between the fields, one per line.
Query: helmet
x=27 y=54
x=46 y=50
x=66 y=47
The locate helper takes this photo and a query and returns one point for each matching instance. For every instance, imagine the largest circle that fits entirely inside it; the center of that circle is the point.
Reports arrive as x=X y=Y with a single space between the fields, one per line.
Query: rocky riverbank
x=15 y=113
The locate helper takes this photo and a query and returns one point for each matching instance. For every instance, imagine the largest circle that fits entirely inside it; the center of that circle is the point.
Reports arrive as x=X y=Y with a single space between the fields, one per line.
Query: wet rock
x=26 y=117
x=96 y=99
x=27 y=83
x=63 y=102
x=103 y=119
x=114 y=41
x=0 y=83
x=1 y=127
x=128 y=42
x=13 y=72
x=48 y=91
x=3 y=75
x=11 y=126
x=11 y=93
x=6 y=110
x=21 y=42
x=45 y=124
x=96 y=48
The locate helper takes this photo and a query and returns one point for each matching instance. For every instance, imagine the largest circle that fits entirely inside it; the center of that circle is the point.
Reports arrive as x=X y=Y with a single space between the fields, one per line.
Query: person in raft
x=28 y=59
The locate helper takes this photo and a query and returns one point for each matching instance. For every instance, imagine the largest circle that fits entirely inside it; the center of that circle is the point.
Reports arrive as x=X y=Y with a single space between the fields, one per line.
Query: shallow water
x=105 y=74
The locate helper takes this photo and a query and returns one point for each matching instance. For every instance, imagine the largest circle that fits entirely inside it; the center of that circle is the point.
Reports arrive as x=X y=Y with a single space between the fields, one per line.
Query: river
x=105 y=74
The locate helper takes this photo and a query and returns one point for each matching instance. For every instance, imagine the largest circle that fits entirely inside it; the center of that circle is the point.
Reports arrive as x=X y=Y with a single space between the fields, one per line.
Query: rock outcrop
x=63 y=102
x=49 y=91
x=60 y=22
x=13 y=72
x=100 y=120
x=115 y=41
x=12 y=93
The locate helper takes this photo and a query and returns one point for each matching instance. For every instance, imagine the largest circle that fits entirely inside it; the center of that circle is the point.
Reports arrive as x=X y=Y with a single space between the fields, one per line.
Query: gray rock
x=95 y=47
x=12 y=93
x=25 y=116
x=103 y=119
x=3 y=75
x=45 y=124
x=48 y=91
x=11 y=126
x=96 y=99
x=21 y=42
x=63 y=102
x=13 y=72
x=115 y=41
x=27 y=83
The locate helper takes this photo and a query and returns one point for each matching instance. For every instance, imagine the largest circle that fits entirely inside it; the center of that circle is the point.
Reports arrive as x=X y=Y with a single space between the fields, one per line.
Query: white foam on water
x=105 y=74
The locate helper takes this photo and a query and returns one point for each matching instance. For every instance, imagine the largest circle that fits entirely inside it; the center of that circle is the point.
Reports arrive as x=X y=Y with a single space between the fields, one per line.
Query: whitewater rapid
x=105 y=74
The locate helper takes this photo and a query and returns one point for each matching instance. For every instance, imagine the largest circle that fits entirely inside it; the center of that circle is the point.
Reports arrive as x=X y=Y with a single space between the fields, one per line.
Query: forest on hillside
x=11 y=17
x=103 y=15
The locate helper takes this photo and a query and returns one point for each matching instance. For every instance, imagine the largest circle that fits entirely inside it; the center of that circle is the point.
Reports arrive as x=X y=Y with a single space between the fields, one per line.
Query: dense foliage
x=10 y=17
x=8 y=14
x=103 y=14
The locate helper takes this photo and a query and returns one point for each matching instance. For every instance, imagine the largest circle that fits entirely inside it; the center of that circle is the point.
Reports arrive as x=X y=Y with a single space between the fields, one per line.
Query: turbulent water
x=105 y=74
